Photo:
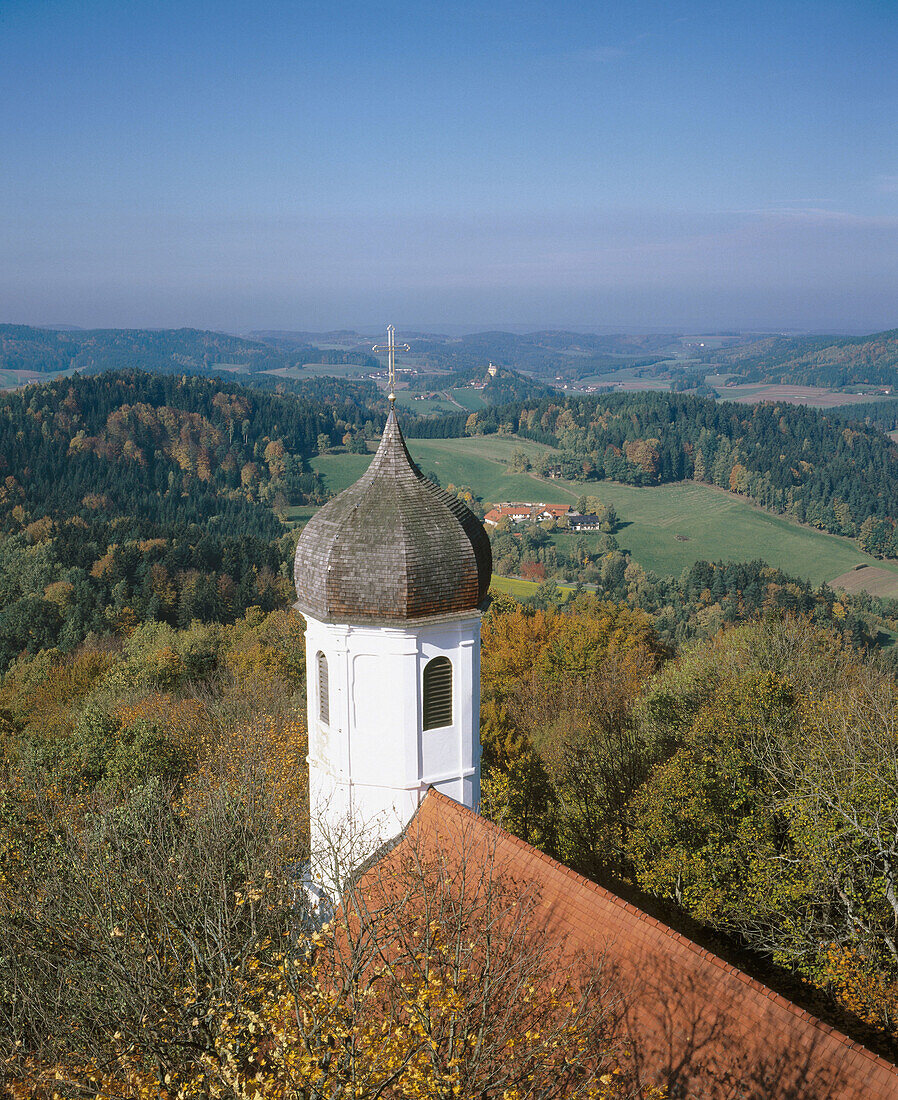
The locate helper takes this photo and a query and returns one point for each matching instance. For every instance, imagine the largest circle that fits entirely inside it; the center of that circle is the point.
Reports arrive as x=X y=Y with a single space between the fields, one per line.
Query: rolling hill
x=172 y=351
x=832 y=362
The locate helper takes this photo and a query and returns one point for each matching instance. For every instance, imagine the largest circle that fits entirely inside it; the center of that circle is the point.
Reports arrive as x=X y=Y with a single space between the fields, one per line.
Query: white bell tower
x=392 y=711
x=390 y=576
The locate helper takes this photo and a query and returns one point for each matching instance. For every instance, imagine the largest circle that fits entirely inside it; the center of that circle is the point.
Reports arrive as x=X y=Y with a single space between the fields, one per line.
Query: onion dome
x=393 y=546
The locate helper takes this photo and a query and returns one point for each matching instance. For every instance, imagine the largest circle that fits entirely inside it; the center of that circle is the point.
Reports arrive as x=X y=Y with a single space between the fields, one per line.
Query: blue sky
x=625 y=164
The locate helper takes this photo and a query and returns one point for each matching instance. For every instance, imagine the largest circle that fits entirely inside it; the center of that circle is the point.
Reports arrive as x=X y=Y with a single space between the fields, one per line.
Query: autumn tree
x=770 y=812
x=160 y=949
x=560 y=755
x=128 y=923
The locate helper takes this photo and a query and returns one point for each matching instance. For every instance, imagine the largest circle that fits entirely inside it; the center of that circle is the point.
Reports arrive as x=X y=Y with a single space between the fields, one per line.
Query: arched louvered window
x=437 y=693
x=324 y=700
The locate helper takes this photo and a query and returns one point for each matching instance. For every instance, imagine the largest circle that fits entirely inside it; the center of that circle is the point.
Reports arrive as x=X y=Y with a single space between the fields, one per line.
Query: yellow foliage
x=41 y=695
x=258 y=664
x=40 y=530
x=184 y=720
x=59 y=592
x=165 y=665
x=407 y=1018
x=861 y=985
x=274 y=748
x=103 y=566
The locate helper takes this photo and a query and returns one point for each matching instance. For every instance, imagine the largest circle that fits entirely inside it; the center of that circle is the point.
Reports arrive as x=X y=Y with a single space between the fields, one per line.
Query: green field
x=716 y=526
x=521 y=590
x=635 y=377
x=448 y=401
x=13 y=379
x=480 y=462
x=299 y=513
x=468 y=398
x=405 y=399
x=341 y=470
x=710 y=523
x=312 y=370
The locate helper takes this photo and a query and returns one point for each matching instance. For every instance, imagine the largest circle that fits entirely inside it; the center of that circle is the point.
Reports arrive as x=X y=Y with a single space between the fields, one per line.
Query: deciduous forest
x=718 y=746
x=134 y=497
x=827 y=361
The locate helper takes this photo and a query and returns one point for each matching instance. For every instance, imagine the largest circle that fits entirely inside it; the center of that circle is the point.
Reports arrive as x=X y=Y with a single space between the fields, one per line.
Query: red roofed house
x=390 y=578
x=553 y=511
x=525 y=512
x=517 y=513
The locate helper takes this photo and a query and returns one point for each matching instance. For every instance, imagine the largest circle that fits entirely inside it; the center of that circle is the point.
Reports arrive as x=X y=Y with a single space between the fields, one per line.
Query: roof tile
x=697 y=1023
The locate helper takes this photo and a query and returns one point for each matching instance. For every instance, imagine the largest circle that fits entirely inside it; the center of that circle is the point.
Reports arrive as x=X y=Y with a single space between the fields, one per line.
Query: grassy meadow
x=468 y=398
x=406 y=399
x=300 y=513
x=518 y=588
x=313 y=370
x=480 y=462
x=666 y=528
x=13 y=379
x=462 y=399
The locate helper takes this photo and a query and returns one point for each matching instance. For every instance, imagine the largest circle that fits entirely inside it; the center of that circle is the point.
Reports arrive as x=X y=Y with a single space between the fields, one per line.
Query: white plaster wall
x=371 y=764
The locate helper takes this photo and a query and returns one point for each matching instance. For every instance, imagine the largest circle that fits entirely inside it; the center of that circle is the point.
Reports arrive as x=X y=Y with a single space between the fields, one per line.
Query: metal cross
x=391 y=347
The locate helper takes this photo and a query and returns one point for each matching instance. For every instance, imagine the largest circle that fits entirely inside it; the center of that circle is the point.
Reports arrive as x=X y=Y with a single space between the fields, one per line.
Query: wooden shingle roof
x=393 y=546
x=697 y=1024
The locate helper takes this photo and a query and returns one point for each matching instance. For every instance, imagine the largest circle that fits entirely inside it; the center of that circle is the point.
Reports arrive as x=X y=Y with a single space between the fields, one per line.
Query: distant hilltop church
x=391 y=576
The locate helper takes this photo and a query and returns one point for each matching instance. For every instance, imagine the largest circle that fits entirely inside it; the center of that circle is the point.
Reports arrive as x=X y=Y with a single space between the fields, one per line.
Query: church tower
x=390 y=576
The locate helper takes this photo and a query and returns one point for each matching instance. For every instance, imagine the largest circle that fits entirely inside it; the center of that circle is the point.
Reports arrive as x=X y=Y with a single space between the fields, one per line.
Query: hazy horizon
x=690 y=166
x=375 y=329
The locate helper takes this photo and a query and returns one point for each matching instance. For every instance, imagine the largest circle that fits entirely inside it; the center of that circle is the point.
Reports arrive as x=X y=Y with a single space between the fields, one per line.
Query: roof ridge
x=665 y=929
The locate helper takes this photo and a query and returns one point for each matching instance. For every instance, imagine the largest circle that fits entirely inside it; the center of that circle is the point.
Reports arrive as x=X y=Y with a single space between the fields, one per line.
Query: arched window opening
x=437 y=693
x=324 y=702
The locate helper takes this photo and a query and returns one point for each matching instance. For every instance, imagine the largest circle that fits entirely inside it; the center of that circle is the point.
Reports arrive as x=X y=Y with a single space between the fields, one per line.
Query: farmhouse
x=579 y=522
x=526 y=512
x=553 y=511
x=390 y=577
x=517 y=513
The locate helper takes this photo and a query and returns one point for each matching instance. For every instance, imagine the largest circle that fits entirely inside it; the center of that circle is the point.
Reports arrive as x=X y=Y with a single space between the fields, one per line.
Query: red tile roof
x=525 y=510
x=704 y=1027
x=512 y=509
